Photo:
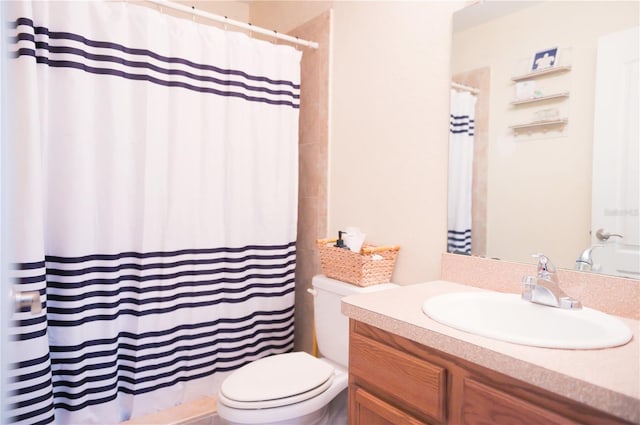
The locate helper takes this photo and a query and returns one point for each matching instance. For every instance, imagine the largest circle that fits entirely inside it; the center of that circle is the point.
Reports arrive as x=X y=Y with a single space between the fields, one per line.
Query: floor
x=201 y=411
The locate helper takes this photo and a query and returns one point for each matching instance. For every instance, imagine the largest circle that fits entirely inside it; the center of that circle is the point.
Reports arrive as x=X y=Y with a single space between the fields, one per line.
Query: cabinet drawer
x=370 y=410
x=482 y=404
x=410 y=383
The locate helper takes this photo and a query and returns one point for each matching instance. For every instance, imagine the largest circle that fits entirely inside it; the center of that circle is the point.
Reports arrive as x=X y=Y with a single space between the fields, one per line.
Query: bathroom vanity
x=406 y=368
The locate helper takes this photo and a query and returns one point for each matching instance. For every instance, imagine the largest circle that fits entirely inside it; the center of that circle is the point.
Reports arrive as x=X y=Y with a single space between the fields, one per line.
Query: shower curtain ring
x=193 y=15
x=275 y=37
x=225 y=22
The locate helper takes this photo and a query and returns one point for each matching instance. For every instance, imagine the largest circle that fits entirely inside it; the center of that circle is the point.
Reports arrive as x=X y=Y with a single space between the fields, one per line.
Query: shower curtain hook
x=275 y=37
x=225 y=22
x=250 y=32
x=193 y=15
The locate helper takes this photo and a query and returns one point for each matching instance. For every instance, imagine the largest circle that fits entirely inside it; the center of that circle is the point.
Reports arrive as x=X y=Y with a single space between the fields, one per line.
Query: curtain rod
x=227 y=21
x=465 y=88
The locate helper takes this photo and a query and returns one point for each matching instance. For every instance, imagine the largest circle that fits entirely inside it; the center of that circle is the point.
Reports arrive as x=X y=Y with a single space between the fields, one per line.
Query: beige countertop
x=606 y=379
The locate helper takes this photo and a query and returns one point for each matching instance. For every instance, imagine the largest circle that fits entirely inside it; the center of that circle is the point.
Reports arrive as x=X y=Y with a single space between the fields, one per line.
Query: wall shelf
x=546 y=120
x=539 y=125
x=536 y=74
x=541 y=99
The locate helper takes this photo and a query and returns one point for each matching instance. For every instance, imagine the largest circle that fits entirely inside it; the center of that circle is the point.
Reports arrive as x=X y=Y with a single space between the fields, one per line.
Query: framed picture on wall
x=544 y=59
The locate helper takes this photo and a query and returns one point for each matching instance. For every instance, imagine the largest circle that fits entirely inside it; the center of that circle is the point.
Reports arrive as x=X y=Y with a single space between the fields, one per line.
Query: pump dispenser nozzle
x=340 y=242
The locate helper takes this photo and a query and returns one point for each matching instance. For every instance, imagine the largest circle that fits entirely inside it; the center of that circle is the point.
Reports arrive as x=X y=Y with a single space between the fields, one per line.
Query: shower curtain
x=153 y=190
x=461 y=130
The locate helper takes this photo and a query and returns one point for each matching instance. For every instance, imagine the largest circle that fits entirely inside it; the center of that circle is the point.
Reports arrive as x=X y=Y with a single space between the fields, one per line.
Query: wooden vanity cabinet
x=393 y=380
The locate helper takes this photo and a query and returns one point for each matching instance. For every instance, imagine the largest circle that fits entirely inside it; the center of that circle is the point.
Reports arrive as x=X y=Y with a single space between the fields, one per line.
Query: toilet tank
x=332 y=327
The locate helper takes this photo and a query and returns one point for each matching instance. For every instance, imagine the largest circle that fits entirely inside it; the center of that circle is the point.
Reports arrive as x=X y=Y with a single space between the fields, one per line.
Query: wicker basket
x=370 y=266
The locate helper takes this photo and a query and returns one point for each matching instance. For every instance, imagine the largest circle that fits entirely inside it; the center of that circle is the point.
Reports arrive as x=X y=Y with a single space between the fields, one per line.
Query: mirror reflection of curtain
x=461 y=130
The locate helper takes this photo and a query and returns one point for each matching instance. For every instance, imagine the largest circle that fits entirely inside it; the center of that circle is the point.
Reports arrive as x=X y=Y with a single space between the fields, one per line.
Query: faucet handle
x=528 y=286
x=570 y=303
x=545 y=267
x=529 y=282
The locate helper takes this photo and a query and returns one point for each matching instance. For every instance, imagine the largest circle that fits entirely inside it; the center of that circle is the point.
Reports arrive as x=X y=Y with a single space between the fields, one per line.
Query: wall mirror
x=537 y=166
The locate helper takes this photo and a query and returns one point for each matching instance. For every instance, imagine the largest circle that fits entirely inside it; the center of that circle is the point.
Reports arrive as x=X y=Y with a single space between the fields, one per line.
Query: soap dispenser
x=340 y=242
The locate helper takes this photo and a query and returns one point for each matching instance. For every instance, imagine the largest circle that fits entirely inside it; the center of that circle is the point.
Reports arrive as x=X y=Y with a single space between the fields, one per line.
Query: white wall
x=539 y=187
x=389 y=122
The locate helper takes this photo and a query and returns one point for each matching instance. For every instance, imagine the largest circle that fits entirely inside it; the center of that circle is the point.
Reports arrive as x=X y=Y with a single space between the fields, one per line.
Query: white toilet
x=297 y=388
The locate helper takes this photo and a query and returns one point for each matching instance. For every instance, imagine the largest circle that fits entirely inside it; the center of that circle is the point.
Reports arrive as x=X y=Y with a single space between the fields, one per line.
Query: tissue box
x=370 y=266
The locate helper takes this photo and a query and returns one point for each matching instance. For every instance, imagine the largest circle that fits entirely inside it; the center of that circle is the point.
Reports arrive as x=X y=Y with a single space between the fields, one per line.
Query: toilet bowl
x=297 y=388
x=291 y=388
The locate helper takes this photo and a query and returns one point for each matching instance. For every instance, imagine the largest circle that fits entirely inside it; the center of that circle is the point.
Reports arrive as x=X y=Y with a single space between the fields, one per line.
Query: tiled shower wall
x=313 y=157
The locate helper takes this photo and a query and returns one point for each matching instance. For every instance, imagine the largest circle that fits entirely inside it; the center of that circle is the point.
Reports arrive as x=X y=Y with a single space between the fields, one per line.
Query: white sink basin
x=509 y=318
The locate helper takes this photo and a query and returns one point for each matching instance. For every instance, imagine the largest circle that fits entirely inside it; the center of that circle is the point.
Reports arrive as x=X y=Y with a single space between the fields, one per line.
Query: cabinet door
x=367 y=409
x=483 y=405
x=409 y=382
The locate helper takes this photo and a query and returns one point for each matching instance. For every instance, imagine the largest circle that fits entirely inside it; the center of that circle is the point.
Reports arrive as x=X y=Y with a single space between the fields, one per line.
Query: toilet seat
x=276 y=381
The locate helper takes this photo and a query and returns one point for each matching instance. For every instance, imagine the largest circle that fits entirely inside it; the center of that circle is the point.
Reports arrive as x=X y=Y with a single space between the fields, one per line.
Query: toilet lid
x=273 y=381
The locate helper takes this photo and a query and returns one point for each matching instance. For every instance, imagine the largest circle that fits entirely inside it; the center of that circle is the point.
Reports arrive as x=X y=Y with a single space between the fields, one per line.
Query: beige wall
x=284 y=16
x=539 y=185
x=389 y=122
x=390 y=119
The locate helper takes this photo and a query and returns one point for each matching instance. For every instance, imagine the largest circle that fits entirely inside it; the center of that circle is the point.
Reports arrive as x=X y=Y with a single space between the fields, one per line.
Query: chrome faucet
x=545 y=289
x=585 y=261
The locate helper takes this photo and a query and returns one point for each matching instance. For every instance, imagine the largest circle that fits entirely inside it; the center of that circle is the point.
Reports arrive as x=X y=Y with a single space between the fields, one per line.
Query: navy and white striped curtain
x=461 y=130
x=154 y=207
